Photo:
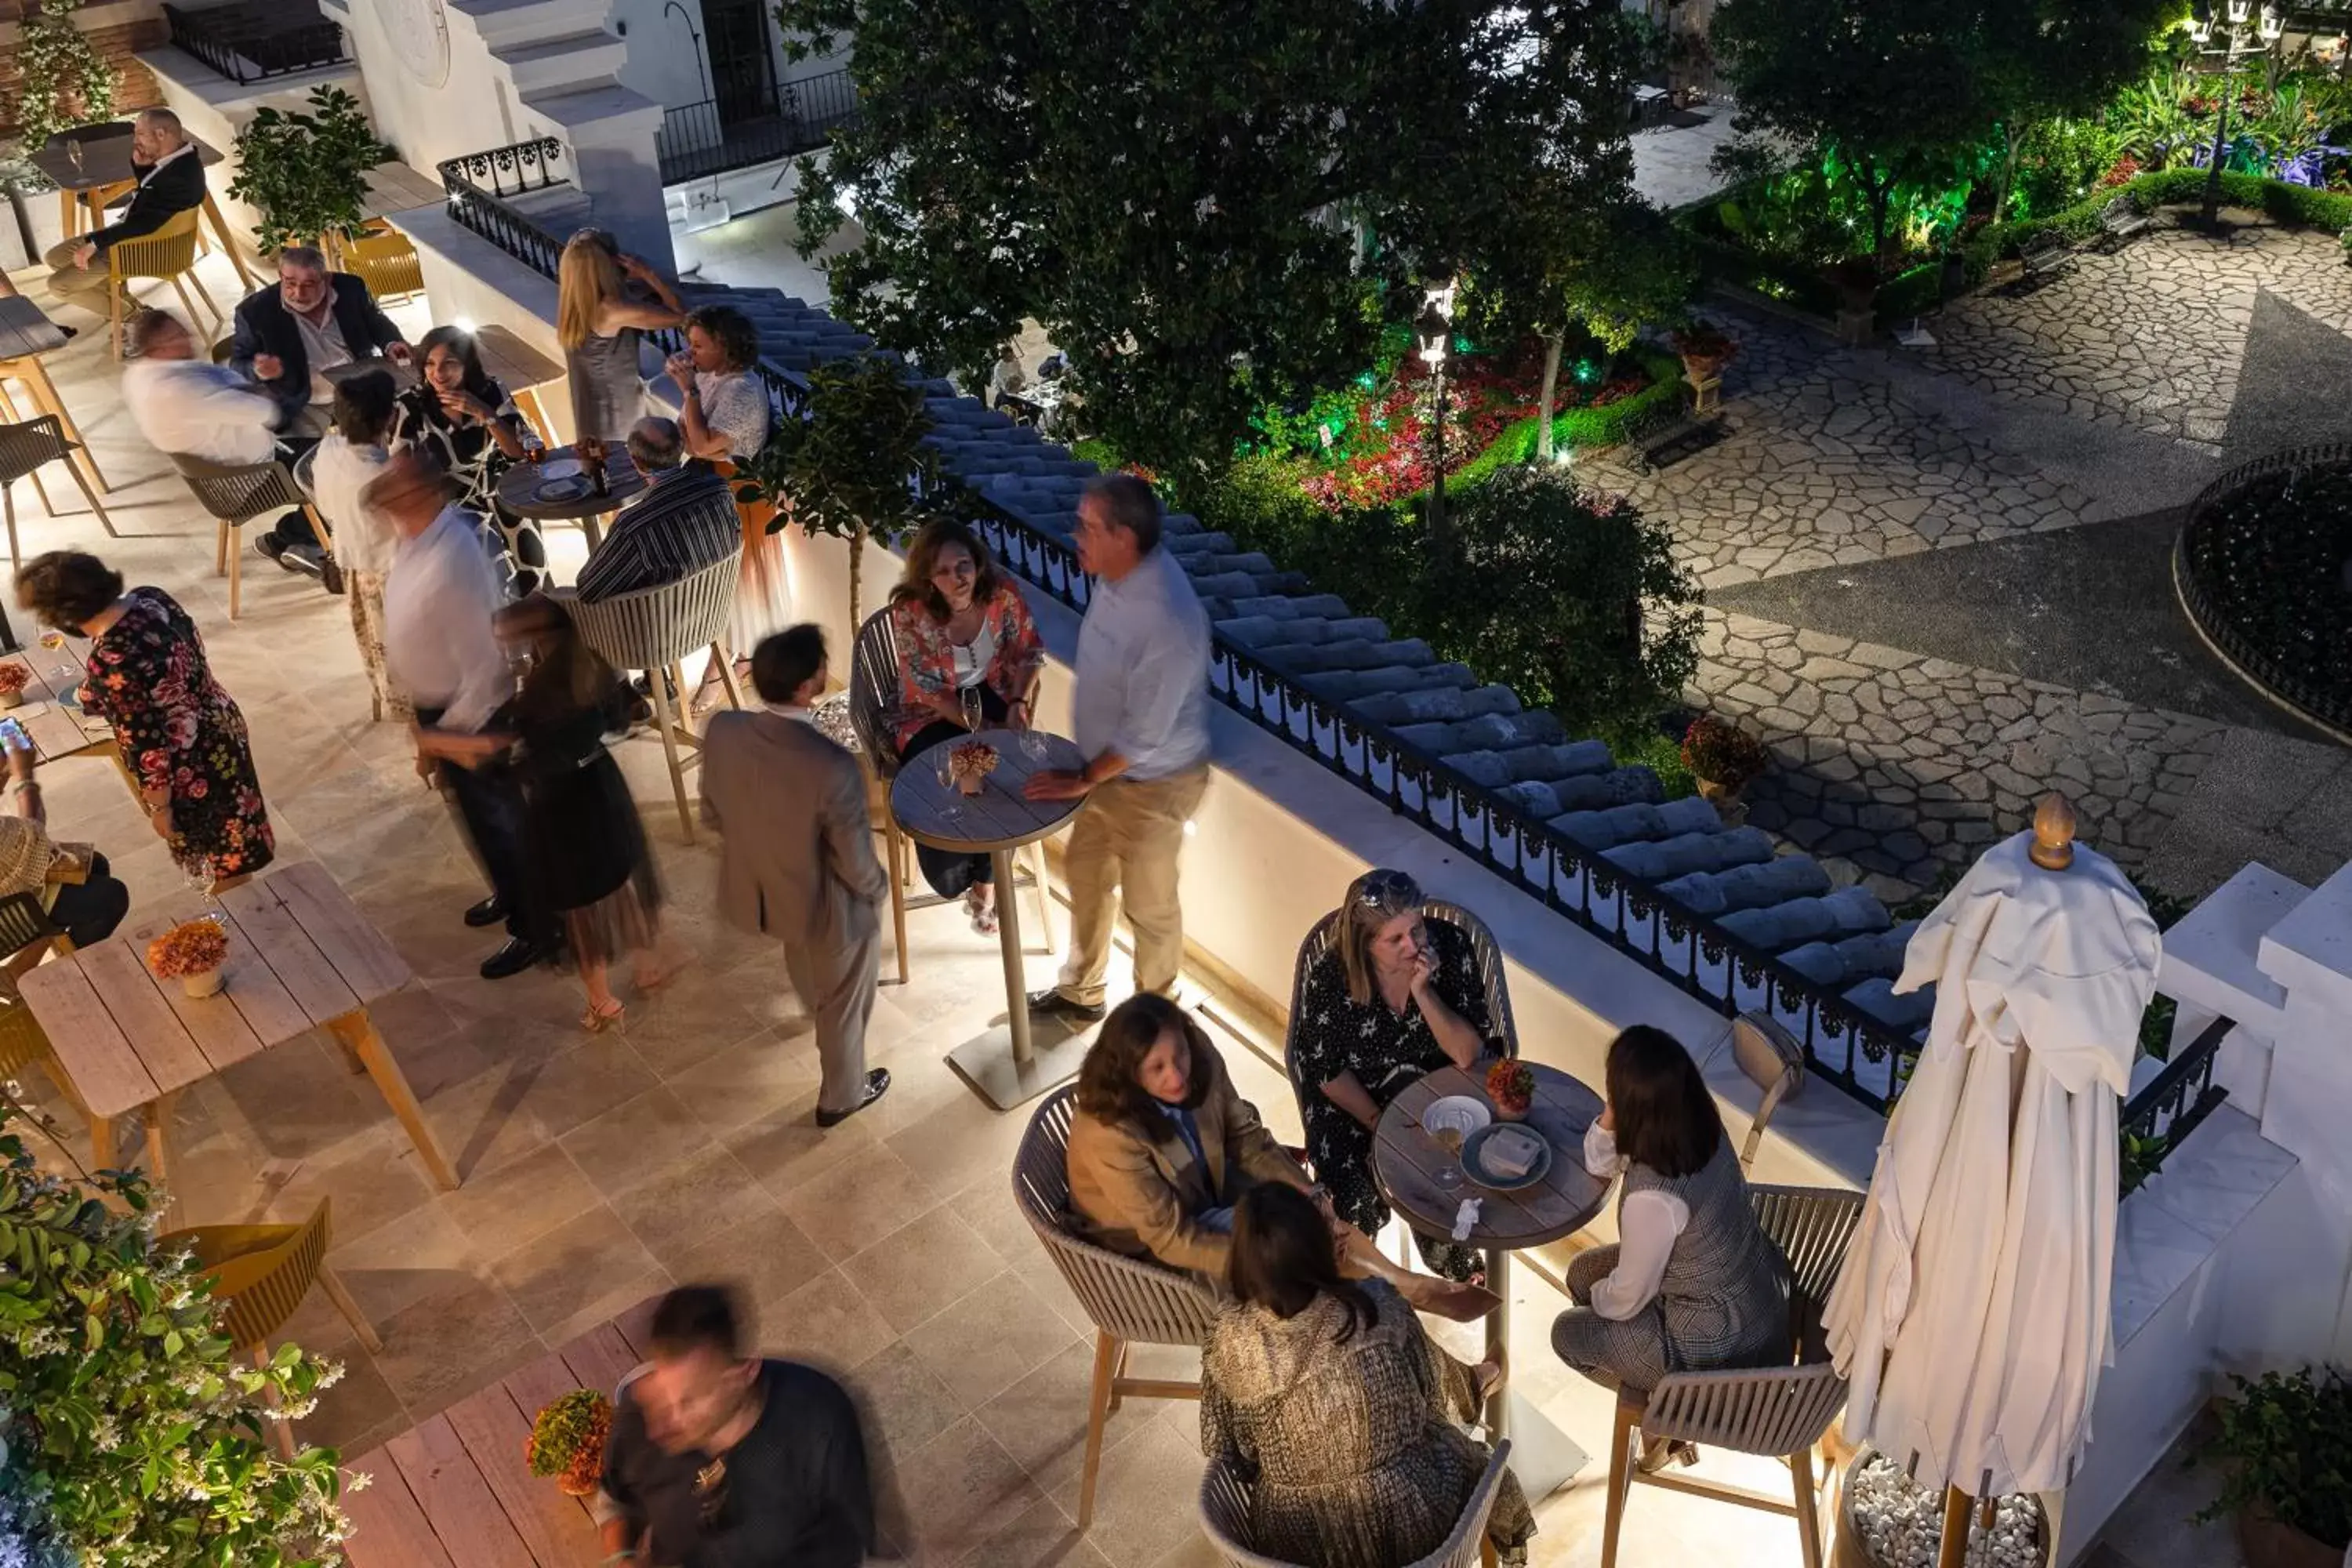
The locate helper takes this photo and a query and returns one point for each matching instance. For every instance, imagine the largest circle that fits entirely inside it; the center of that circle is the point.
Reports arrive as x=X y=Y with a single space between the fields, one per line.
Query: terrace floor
x=1940 y=582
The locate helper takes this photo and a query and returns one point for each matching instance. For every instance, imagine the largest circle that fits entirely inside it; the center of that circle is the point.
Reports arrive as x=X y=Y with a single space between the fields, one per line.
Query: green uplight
x=1587 y=371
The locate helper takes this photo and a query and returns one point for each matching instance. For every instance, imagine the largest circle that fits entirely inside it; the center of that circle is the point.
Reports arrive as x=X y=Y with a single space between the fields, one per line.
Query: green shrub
x=2289 y=1441
x=1661 y=754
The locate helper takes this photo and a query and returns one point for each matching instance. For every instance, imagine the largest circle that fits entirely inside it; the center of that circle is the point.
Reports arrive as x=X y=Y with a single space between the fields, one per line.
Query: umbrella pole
x=1955 y=1545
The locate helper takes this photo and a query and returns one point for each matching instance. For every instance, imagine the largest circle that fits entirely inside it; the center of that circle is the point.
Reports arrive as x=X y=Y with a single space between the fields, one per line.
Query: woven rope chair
x=236 y=493
x=653 y=629
x=1783 y=1411
x=1225 y=1498
x=1130 y=1300
x=872 y=694
x=169 y=253
x=263 y=1272
x=25 y=449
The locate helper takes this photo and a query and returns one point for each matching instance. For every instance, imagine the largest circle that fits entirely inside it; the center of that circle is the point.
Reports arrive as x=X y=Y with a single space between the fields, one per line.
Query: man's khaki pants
x=836 y=987
x=83 y=286
x=1124 y=849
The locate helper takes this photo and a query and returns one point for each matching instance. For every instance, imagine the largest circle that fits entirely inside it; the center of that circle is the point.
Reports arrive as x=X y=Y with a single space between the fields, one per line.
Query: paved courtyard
x=1938 y=579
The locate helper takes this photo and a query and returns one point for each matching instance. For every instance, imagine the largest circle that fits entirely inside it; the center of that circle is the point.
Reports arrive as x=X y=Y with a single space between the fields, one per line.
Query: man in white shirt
x=438 y=642
x=1143 y=723
x=189 y=405
x=349 y=460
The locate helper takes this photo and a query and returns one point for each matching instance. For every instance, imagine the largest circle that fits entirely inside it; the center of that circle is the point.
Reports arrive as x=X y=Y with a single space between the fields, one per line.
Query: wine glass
x=1034 y=744
x=951 y=808
x=73 y=154
x=969 y=697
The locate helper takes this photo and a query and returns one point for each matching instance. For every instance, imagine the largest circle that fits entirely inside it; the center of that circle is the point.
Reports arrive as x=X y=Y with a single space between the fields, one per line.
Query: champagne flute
x=969 y=697
x=951 y=808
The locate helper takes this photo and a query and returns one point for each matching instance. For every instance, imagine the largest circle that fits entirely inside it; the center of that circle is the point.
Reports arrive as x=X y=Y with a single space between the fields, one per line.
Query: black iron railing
x=695 y=141
x=2156 y=1119
x=479 y=187
x=254 y=41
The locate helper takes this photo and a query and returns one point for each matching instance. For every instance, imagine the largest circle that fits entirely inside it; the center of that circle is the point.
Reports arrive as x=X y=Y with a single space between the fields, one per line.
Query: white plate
x=1473 y=1161
x=1464 y=1114
x=560 y=468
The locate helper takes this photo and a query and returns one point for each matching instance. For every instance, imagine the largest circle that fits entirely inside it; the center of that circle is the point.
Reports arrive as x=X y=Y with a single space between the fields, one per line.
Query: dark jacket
x=265 y=326
x=177 y=186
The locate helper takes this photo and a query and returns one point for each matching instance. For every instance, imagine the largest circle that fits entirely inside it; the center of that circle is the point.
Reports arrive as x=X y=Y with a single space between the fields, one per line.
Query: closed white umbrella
x=1972 y=1314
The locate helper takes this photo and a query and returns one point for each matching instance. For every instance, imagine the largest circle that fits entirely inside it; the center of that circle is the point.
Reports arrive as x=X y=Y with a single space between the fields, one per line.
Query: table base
x=986 y=1061
x=1544 y=1458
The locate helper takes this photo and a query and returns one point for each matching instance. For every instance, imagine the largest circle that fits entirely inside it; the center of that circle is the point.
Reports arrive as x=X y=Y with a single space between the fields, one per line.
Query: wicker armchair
x=1781 y=1411
x=873 y=692
x=169 y=253
x=236 y=493
x=1130 y=1300
x=1225 y=1517
x=263 y=1272
x=25 y=448
x=652 y=629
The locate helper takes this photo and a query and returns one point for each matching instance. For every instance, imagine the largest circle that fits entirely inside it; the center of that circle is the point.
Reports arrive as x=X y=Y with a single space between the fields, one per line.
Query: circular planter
x=2268 y=1544
x=12 y=697
x=1848 y=1549
x=578 y=1481
x=208 y=983
x=1718 y=790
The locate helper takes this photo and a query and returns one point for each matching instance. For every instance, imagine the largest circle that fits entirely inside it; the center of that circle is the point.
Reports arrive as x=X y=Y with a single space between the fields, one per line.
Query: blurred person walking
x=353 y=453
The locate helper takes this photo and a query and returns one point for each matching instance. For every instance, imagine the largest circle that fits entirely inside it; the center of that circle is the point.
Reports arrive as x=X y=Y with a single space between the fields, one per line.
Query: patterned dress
x=1387 y=1051
x=180 y=732
x=1356 y=1445
x=476 y=462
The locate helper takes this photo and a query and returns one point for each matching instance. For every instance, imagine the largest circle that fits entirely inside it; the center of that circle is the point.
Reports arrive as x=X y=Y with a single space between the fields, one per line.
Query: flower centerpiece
x=970 y=765
x=1511 y=1085
x=567 y=1441
x=191 y=952
x=13 y=680
x=1722 y=756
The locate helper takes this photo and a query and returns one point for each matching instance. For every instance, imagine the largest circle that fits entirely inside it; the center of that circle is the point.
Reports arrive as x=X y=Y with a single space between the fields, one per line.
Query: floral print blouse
x=927 y=658
x=180 y=733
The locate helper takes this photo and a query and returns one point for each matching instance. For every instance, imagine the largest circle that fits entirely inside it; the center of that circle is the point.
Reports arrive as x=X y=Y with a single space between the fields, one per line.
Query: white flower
x=360 y=1482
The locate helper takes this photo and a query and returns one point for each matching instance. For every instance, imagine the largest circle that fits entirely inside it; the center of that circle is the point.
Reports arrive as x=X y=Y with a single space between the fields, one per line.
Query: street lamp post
x=1434 y=332
x=2229 y=21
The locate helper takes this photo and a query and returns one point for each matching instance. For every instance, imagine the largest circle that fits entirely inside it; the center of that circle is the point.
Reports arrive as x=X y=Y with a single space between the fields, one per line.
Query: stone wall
x=118 y=31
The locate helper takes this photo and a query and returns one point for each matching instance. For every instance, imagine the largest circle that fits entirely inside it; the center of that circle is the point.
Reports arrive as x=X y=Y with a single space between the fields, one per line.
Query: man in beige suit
x=798 y=863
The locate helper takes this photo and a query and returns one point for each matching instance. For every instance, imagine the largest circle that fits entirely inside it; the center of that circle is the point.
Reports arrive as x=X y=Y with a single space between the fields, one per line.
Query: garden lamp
x=1432 y=330
x=2238 y=11
x=2273 y=25
x=2200 y=28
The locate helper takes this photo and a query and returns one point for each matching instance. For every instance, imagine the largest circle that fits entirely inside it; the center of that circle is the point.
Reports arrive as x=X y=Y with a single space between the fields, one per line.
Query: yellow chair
x=168 y=253
x=263 y=1272
x=386 y=261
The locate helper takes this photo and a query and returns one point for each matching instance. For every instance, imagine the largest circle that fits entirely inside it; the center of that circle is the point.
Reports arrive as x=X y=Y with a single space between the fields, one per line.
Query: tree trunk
x=1543 y=402
x=2016 y=135
x=856 y=560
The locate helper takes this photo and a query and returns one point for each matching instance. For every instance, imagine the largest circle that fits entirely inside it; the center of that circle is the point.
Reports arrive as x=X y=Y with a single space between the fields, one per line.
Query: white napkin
x=1464 y=1218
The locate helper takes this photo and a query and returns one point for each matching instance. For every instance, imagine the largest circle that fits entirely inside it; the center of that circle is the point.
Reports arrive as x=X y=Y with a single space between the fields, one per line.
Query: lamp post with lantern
x=1433 y=333
x=2239 y=33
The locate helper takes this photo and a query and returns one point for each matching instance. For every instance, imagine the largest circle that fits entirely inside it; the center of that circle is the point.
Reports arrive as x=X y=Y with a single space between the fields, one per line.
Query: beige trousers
x=365 y=591
x=836 y=987
x=1124 y=851
x=68 y=281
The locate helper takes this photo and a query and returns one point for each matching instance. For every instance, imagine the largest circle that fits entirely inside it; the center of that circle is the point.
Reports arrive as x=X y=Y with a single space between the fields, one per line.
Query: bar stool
x=236 y=493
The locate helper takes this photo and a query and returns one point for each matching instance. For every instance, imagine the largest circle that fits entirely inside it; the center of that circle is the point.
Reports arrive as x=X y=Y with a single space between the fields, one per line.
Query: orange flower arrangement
x=969 y=763
x=14 y=677
x=192 y=947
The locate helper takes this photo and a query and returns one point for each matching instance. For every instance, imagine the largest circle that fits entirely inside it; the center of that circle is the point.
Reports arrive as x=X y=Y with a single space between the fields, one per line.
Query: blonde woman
x=602 y=306
x=1396 y=997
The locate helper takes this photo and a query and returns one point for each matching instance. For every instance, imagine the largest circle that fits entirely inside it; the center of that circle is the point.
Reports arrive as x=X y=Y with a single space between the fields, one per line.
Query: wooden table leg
x=228 y=240
x=36 y=378
x=357 y=1031
x=1499 y=1339
x=69 y=215
x=593 y=525
x=157 y=1115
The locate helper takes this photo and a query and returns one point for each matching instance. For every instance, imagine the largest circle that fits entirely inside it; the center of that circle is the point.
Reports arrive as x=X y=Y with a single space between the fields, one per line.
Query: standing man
x=1143 y=723
x=798 y=864
x=720 y=1459
x=438 y=646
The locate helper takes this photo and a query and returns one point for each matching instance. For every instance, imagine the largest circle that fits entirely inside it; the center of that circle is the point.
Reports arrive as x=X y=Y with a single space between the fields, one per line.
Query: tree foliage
x=307 y=173
x=2038 y=59
x=1210 y=207
x=62 y=81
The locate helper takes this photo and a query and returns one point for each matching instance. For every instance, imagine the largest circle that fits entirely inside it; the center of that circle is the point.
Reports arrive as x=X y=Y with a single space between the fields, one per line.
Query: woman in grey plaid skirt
x=1693 y=1283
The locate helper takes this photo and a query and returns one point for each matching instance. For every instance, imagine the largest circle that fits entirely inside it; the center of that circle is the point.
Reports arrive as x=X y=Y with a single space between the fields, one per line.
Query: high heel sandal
x=595 y=1020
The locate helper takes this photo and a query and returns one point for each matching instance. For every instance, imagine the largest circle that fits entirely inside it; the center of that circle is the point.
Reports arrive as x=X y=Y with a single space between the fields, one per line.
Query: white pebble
x=1901 y=1523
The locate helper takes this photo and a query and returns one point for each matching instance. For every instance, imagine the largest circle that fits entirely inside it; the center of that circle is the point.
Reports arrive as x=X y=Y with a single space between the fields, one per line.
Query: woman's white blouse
x=1648 y=1223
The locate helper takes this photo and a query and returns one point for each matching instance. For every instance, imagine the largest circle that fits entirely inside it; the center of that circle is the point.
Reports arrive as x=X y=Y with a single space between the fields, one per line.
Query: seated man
x=290 y=336
x=684 y=521
x=718 y=1457
x=171 y=182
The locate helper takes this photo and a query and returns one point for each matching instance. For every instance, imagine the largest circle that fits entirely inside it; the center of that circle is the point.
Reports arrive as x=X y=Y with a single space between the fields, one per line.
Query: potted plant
x=567 y=1441
x=306 y=174
x=1723 y=757
x=13 y=678
x=2287 y=1441
x=1704 y=351
x=191 y=952
x=1856 y=281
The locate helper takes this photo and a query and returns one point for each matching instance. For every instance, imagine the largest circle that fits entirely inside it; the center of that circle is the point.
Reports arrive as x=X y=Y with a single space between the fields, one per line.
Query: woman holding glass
x=969 y=657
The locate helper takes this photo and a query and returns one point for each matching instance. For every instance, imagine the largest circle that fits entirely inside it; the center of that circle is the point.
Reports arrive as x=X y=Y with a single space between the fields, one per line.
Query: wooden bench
x=2044 y=257
x=1670 y=434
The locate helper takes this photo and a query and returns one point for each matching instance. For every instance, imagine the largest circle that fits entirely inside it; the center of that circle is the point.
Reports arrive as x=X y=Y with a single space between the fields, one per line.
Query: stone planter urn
x=2270 y=1543
x=2022 y=1536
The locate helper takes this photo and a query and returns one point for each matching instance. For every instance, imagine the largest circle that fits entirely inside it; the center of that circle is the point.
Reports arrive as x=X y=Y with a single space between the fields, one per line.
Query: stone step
x=1715 y=849
x=498 y=22
x=568 y=60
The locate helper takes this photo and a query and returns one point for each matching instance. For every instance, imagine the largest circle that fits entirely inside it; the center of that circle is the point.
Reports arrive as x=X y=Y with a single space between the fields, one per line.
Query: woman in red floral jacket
x=962 y=632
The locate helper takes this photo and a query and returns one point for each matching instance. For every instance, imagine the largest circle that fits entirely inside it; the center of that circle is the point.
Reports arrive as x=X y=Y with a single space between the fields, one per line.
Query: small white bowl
x=1464 y=1114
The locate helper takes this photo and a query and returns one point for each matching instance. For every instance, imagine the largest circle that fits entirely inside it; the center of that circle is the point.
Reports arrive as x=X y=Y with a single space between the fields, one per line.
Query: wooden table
x=104 y=172
x=1000 y=1063
x=522 y=369
x=51 y=711
x=455 y=1491
x=519 y=492
x=301 y=957
x=26 y=334
x=1406 y=1161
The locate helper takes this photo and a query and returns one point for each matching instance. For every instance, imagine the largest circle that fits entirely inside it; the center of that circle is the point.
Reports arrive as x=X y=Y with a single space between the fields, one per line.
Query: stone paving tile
x=1890 y=766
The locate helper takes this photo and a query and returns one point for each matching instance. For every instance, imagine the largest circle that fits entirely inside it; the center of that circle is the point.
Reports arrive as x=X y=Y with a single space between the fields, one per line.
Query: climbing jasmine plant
x=62 y=81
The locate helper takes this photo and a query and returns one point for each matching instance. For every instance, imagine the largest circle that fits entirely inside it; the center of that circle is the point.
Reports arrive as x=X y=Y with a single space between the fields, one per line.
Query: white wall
x=215 y=110
x=664 y=63
x=472 y=111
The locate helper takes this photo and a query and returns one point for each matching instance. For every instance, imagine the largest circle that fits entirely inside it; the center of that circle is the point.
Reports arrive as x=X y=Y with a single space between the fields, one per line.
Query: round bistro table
x=519 y=492
x=1405 y=1163
x=1002 y=1064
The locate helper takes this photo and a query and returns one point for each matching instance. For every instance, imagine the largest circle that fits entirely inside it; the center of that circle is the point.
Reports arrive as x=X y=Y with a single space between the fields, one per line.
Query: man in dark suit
x=685 y=521
x=314 y=322
x=171 y=182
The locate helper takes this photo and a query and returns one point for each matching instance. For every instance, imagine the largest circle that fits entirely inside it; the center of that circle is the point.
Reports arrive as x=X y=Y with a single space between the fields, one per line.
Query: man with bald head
x=171 y=182
x=684 y=521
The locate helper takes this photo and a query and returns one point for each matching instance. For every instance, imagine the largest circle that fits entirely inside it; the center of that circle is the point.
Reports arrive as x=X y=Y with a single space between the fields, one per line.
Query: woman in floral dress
x=181 y=735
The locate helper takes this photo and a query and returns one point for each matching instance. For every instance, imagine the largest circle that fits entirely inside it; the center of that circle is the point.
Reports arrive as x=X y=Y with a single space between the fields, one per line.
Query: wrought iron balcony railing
x=255 y=40
x=481 y=188
x=693 y=143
